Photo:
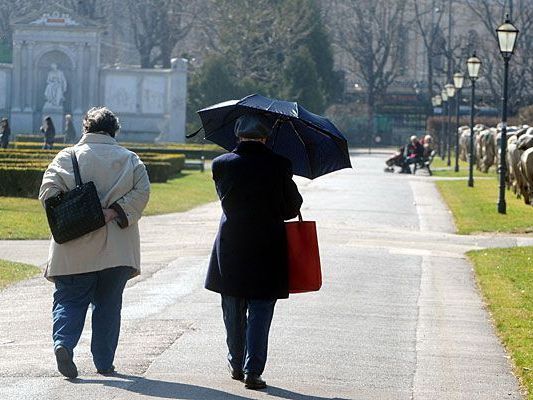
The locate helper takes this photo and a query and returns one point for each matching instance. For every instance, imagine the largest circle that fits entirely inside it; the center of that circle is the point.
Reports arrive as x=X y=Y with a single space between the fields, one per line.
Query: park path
x=399 y=315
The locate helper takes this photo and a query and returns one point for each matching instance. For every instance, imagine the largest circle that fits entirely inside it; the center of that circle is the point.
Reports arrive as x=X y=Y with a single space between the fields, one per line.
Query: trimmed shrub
x=37 y=138
x=158 y=172
x=19 y=181
x=190 y=151
x=177 y=161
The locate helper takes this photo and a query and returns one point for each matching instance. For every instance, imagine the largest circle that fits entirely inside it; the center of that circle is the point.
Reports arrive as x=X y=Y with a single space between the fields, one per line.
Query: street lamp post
x=473 y=64
x=445 y=106
x=507 y=34
x=458 y=80
x=450 y=91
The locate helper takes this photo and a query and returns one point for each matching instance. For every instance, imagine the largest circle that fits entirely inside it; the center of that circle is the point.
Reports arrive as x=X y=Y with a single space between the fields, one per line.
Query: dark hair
x=49 y=121
x=100 y=119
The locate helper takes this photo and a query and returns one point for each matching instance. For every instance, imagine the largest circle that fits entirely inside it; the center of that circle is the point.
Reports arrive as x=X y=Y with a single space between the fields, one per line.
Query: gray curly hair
x=101 y=119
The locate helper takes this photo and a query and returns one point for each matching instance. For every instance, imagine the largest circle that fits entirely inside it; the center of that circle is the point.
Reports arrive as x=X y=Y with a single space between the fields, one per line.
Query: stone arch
x=65 y=61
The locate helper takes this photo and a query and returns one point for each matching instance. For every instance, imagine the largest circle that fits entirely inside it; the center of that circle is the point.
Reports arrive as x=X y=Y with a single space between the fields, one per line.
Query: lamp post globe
x=458 y=80
x=507 y=35
x=450 y=90
x=473 y=65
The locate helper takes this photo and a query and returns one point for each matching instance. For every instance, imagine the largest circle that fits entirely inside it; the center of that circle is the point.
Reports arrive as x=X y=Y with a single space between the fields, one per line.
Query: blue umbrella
x=312 y=143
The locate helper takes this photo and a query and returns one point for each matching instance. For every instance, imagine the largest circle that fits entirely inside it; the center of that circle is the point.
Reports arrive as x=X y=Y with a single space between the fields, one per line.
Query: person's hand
x=109 y=214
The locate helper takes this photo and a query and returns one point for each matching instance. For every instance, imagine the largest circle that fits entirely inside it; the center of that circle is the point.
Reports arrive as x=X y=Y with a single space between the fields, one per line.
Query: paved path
x=399 y=315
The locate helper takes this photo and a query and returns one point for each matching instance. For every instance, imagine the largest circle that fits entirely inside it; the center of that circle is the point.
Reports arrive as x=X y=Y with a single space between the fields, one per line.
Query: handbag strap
x=77 y=175
x=300 y=219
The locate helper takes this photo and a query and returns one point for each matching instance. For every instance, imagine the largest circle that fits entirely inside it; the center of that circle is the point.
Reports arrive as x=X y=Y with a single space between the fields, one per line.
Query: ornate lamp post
x=444 y=97
x=507 y=34
x=473 y=64
x=458 y=80
x=450 y=91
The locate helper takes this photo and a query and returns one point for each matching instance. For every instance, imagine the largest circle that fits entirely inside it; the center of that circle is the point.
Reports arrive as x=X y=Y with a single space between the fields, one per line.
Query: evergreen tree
x=301 y=82
x=212 y=83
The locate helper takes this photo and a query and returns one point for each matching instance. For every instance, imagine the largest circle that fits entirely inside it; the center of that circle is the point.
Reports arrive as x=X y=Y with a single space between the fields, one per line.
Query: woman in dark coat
x=49 y=132
x=248 y=264
x=5 y=132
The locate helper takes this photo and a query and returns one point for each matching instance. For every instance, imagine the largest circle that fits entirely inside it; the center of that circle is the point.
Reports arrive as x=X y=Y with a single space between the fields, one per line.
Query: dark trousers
x=72 y=297
x=247 y=324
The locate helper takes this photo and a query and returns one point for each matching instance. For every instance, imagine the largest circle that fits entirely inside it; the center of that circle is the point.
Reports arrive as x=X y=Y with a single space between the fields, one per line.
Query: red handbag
x=305 y=274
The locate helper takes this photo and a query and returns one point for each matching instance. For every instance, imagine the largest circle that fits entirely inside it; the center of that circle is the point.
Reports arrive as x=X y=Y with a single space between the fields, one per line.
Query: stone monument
x=57 y=70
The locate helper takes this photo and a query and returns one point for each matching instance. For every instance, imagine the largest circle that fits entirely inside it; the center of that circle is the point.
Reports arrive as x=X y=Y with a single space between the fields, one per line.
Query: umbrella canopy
x=312 y=143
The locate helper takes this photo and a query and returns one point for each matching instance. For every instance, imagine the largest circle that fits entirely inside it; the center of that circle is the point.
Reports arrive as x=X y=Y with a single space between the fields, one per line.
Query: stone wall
x=57 y=70
x=150 y=102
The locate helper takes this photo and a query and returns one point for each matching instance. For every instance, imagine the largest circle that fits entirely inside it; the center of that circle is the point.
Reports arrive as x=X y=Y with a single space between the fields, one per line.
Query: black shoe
x=254 y=382
x=109 y=371
x=235 y=374
x=65 y=365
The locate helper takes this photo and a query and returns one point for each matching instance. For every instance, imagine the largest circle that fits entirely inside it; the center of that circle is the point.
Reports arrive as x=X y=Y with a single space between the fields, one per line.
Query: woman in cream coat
x=94 y=268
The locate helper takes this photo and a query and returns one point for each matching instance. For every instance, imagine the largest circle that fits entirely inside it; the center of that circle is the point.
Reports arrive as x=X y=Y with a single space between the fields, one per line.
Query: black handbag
x=74 y=213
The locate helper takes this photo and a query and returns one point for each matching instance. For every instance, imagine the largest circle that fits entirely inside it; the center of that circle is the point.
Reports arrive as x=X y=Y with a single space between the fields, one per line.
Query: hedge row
x=21 y=177
x=20 y=181
x=190 y=151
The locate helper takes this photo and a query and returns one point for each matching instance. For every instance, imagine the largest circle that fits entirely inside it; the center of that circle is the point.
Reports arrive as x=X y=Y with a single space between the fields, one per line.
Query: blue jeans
x=72 y=297
x=247 y=324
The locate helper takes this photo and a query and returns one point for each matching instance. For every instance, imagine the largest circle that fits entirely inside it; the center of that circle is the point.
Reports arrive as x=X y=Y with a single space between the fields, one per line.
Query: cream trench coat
x=122 y=183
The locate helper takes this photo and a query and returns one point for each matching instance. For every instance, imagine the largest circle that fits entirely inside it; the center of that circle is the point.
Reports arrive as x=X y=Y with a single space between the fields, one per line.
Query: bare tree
x=491 y=15
x=158 y=25
x=93 y=9
x=368 y=34
x=10 y=11
x=429 y=22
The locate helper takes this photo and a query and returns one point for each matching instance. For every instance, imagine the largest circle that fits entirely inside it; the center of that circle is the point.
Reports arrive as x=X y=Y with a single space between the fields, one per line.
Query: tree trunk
x=146 y=61
x=370 y=103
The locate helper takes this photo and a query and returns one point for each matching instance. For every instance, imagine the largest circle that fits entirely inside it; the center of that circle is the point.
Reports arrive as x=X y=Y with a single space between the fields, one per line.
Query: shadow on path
x=175 y=390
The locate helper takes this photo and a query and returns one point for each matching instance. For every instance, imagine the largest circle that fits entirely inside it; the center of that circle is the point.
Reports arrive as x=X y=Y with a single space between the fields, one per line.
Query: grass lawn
x=11 y=272
x=25 y=218
x=475 y=210
x=506 y=280
x=438 y=165
x=181 y=193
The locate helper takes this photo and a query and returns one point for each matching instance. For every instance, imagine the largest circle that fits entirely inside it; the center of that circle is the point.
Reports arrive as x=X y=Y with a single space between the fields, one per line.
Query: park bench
x=425 y=162
x=195 y=164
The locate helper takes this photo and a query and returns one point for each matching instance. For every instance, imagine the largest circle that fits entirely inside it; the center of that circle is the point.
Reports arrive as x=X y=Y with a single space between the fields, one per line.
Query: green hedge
x=20 y=181
x=21 y=170
x=22 y=178
x=159 y=172
x=37 y=138
x=190 y=151
x=176 y=161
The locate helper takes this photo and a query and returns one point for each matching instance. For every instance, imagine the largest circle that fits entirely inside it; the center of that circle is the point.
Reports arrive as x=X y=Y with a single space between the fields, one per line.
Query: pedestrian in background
x=49 y=132
x=5 y=133
x=94 y=268
x=70 y=132
x=248 y=265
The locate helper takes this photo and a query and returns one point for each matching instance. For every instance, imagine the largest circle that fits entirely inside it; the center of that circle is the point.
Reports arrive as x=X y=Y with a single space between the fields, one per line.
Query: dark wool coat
x=249 y=257
x=5 y=132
